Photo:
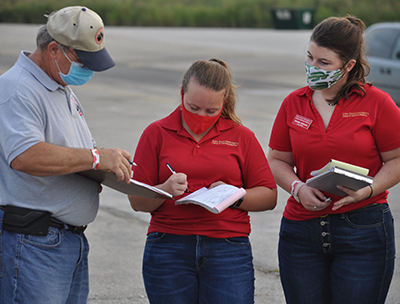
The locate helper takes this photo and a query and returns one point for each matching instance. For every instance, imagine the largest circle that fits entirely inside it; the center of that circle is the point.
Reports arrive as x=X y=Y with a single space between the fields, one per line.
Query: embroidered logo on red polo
x=225 y=142
x=302 y=122
x=355 y=114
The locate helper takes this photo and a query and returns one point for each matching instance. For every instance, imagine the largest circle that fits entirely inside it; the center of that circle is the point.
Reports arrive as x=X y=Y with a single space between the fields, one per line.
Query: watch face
x=239 y=202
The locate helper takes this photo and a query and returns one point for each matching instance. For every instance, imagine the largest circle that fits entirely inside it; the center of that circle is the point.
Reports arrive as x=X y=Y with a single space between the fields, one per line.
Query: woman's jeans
x=344 y=258
x=51 y=269
x=197 y=269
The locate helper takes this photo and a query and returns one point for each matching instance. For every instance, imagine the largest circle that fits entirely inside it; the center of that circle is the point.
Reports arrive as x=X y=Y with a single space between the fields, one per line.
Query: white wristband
x=294 y=189
x=96 y=159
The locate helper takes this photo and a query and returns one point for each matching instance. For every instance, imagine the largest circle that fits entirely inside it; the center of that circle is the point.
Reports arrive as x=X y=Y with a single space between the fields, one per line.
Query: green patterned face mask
x=318 y=79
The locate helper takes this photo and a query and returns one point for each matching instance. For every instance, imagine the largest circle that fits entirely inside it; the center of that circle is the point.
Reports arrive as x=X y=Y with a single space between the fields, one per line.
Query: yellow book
x=341 y=165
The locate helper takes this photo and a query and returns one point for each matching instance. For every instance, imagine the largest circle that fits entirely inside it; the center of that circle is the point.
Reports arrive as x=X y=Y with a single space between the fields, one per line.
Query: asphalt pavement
x=143 y=87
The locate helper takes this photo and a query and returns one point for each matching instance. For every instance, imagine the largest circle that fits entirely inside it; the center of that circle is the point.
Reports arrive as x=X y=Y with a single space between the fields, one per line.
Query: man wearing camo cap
x=44 y=140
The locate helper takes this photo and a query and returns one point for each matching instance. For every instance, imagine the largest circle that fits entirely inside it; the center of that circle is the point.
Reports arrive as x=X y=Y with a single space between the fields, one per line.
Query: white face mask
x=318 y=79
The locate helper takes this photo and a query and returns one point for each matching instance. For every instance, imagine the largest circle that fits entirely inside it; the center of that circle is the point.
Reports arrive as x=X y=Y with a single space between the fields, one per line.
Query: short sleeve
x=256 y=170
x=387 y=126
x=280 y=135
x=147 y=158
x=26 y=129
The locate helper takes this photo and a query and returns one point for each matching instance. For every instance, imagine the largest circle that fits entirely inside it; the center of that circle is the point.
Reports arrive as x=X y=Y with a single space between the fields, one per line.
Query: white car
x=383 y=41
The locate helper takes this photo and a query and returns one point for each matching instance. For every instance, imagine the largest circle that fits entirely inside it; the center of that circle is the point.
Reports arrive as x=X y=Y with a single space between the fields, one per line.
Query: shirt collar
x=37 y=72
x=306 y=91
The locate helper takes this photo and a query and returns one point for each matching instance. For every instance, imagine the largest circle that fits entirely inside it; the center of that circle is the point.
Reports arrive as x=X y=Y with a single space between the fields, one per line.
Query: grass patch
x=199 y=13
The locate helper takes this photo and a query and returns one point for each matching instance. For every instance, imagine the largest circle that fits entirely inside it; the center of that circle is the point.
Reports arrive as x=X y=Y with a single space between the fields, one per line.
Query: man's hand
x=116 y=160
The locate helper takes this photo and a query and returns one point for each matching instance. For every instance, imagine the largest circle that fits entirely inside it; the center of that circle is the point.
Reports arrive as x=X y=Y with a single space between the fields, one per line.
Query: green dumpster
x=293 y=18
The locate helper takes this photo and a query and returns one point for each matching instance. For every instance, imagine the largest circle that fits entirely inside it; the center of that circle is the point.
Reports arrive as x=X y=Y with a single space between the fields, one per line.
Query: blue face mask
x=78 y=74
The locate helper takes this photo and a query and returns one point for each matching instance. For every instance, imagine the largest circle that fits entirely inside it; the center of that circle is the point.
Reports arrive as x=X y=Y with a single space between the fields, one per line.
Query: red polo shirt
x=358 y=131
x=228 y=153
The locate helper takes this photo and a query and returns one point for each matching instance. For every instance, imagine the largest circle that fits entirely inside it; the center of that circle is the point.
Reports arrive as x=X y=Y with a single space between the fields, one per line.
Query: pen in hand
x=170 y=168
x=173 y=172
x=132 y=163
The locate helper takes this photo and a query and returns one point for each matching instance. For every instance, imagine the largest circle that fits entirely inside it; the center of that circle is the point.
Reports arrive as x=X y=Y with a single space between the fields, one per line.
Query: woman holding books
x=336 y=249
x=193 y=255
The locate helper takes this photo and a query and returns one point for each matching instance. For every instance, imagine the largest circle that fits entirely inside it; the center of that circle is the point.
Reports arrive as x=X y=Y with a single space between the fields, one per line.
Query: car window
x=396 y=49
x=381 y=41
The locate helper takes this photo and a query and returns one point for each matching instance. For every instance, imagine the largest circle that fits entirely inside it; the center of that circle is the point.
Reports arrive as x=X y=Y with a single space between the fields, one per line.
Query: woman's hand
x=215 y=184
x=313 y=199
x=387 y=176
x=352 y=197
x=175 y=185
x=256 y=198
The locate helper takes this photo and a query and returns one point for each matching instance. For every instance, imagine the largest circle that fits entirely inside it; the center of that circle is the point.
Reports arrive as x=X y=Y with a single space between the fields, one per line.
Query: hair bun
x=356 y=21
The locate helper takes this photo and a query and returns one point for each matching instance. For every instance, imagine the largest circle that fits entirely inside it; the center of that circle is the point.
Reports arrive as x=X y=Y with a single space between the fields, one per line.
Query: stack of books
x=336 y=173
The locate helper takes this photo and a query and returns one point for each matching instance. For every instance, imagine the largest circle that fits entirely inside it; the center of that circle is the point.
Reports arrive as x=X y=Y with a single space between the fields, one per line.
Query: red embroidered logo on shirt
x=78 y=108
x=302 y=122
x=225 y=142
x=355 y=114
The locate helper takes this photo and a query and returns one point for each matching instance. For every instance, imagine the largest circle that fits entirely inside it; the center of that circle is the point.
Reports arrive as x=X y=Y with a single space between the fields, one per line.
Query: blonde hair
x=214 y=74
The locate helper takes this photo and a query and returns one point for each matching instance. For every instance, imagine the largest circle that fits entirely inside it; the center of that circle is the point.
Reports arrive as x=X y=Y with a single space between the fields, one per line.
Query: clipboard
x=135 y=187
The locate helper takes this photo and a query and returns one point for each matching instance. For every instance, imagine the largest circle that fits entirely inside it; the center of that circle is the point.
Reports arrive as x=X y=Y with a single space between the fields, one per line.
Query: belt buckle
x=78 y=229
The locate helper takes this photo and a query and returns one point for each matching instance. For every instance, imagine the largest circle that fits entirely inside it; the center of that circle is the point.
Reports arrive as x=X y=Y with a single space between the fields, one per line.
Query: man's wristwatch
x=237 y=203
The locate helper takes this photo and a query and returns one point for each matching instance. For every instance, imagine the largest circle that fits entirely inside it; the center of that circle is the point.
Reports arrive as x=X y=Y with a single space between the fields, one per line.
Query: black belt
x=60 y=225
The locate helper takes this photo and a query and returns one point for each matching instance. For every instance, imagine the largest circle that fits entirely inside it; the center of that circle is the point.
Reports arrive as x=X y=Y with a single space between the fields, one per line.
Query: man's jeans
x=197 y=269
x=50 y=269
x=343 y=258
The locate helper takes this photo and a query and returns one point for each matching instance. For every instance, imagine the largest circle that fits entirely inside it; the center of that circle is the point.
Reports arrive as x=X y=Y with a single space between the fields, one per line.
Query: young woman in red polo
x=193 y=255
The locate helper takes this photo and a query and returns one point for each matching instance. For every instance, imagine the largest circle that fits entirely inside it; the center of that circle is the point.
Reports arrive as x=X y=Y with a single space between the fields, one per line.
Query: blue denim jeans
x=343 y=258
x=196 y=269
x=50 y=269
